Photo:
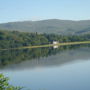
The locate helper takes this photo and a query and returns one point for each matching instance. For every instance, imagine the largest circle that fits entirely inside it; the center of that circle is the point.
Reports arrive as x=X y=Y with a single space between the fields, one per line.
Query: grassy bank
x=50 y=45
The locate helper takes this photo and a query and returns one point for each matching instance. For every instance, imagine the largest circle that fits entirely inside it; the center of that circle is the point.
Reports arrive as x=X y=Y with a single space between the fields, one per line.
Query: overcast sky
x=19 y=10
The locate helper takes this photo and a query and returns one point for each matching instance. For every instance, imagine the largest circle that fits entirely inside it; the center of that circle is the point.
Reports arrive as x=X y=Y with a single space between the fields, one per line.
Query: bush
x=4 y=85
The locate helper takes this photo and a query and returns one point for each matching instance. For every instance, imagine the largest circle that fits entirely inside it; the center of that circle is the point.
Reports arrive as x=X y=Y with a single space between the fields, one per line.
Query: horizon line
x=44 y=20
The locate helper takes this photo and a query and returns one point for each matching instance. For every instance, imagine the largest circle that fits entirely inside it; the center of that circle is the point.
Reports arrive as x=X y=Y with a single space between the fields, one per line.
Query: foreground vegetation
x=14 y=39
x=4 y=84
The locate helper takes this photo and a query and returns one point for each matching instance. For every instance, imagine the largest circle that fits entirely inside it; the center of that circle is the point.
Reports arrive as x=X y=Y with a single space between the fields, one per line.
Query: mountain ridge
x=56 y=26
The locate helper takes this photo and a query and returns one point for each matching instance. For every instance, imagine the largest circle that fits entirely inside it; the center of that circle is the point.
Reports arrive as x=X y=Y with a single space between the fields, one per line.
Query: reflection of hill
x=42 y=57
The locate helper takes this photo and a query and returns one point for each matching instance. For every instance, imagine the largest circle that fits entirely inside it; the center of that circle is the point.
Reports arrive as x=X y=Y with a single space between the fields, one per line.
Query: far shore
x=50 y=45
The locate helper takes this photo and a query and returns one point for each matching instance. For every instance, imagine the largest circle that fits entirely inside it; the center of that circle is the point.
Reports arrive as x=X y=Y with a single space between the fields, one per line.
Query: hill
x=55 y=26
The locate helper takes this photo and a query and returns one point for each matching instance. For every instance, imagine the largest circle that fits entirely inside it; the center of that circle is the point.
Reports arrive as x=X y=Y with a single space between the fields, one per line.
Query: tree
x=4 y=85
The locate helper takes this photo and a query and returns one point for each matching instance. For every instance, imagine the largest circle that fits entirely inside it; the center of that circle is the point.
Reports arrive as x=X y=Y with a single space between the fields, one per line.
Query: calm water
x=64 y=68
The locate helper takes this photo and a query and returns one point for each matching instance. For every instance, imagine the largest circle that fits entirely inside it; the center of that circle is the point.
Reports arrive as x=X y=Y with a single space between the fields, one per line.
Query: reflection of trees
x=16 y=56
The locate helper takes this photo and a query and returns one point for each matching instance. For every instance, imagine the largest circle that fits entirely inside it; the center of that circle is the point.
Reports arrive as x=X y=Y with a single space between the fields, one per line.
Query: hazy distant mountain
x=50 y=26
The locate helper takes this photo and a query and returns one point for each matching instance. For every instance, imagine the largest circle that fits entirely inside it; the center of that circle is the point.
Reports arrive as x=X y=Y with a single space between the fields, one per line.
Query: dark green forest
x=13 y=39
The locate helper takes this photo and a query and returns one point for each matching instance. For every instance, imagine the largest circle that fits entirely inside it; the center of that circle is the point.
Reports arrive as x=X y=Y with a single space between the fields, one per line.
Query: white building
x=55 y=42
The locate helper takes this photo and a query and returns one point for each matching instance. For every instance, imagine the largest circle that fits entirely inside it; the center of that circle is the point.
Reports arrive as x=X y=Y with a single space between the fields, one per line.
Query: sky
x=23 y=10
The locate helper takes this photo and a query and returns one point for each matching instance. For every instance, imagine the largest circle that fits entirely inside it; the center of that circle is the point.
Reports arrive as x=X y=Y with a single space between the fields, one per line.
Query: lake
x=63 y=68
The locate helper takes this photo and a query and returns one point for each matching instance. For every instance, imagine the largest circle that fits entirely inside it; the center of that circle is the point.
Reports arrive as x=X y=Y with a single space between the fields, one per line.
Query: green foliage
x=13 y=39
x=4 y=85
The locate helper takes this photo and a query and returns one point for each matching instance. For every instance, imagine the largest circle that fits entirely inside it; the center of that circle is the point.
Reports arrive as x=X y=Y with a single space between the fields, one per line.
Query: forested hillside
x=12 y=39
x=49 y=26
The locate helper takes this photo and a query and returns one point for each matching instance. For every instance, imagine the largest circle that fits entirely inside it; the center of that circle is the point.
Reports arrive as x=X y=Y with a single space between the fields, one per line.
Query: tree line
x=12 y=39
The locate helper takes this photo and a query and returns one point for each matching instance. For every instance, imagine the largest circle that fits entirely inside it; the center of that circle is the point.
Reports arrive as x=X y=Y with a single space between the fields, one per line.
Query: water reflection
x=63 y=68
x=42 y=57
x=56 y=46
